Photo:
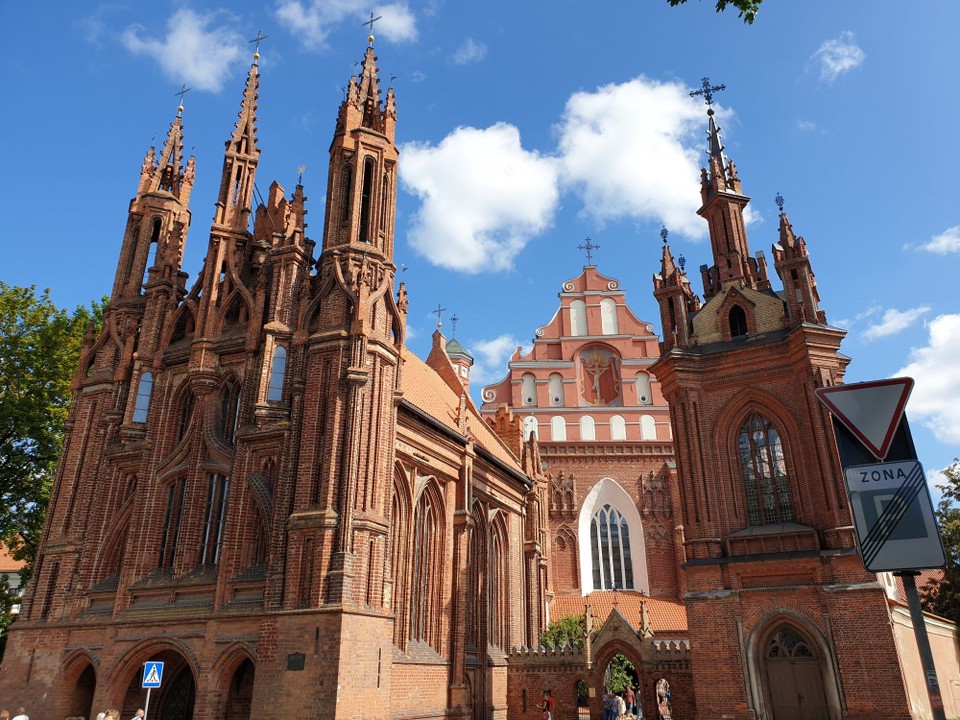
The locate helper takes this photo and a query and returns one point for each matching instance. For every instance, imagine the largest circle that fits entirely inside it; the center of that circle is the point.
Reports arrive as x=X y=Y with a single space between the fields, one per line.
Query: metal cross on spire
x=260 y=36
x=439 y=313
x=370 y=22
x=453 y=321
x=589 y=247
x=183 y=91
x=300 y=171
x=707 y=90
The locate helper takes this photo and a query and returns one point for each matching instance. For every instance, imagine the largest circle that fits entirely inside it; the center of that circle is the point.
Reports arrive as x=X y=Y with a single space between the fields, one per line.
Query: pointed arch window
x=346 y=189
x=497 y=590
x=610 y=550
x=144 y=389
x=278 y=369
x=176 y=492
x=738 y=322
x=766 y=485
x=229 y=412
x=215 y=511
x=366 y=200
x=424 y=577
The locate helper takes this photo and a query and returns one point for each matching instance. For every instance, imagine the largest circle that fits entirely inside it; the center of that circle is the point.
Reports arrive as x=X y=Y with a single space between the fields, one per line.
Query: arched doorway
x=240 y=693
x=793 y=676
x=81 y=696
x=175 y=698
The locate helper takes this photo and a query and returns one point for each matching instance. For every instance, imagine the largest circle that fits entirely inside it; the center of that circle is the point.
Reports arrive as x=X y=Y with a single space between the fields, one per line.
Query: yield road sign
x=152 y=674
x=893 y=516
x=870 y=410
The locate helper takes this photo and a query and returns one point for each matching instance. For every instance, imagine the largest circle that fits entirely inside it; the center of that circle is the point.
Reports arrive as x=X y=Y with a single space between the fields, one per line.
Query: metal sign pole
x=909 y=578
x=146 y=707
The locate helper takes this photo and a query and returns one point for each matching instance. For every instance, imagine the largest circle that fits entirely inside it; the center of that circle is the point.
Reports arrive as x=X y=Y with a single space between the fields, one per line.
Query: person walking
x=547 y=705
x=139 y=715
x=630 y=699
x=21 y=714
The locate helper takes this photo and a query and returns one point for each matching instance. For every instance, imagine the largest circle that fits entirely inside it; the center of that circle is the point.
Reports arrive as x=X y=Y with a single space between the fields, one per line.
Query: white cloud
x=946 y=242
x=808 y=126
x=491 y=358
x=935 y=400
x=482 y=197
x=893 y=321
x=194 y=51
x=311 y=22
x=847 y=323
x=633 y=150
x=837 y=56
x=470 y=51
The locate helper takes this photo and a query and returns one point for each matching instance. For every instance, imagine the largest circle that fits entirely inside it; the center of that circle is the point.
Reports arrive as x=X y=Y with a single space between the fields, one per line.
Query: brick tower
x=776 y=594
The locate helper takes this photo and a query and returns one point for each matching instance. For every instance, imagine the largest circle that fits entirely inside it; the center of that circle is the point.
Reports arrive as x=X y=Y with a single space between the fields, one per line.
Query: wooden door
x=794 y=680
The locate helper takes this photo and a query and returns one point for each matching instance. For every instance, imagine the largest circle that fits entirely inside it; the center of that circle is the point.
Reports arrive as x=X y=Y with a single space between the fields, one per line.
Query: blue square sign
x=152 y=674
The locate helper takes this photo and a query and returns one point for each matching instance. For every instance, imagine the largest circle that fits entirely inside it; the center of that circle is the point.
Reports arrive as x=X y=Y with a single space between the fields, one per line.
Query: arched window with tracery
x=497 y=588
x=610 y=550
x=425 y=568
x=766 y=485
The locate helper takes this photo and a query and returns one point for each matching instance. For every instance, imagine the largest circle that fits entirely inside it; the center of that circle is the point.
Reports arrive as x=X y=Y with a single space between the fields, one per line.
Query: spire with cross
x=453 y=321
x=439 y=313
x=589 y=246
x=707 y=90
x=183 y=91
x=258 y=39
x=370 y=22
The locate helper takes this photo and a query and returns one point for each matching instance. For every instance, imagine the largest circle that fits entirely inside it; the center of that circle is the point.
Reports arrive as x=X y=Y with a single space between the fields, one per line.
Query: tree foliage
x=39 y=352
x=943 y=596
x=569 y=630
x=748 y=8
x=621 y=673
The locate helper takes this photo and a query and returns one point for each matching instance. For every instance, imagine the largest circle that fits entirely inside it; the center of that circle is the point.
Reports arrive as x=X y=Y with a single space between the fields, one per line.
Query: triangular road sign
x=870 y=410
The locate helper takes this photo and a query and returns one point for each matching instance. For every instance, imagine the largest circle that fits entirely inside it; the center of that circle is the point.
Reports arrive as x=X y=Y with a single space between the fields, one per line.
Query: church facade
x=262 y=487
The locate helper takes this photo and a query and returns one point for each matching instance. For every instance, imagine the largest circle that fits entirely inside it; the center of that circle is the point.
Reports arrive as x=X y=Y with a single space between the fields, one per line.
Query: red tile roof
x=7 y=563
x=666 y=616
x=425 y=389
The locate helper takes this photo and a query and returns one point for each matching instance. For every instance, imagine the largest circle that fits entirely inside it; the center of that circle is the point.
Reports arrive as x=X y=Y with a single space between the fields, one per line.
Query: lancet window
x=766 y=485
x=211 y=540
x=610 y=550
x=144 y=389
x=278 y=369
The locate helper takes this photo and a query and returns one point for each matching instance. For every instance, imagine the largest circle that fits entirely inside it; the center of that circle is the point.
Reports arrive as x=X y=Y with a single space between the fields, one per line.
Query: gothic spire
x=240 y=159
x=168 y=172
x=362 y=106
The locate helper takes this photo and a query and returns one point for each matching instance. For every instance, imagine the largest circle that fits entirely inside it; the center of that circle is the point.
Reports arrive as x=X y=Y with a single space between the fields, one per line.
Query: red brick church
x=262 y=487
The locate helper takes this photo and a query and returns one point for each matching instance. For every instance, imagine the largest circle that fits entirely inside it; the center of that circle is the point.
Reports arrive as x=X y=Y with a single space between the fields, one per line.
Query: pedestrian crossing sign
x=152 y=674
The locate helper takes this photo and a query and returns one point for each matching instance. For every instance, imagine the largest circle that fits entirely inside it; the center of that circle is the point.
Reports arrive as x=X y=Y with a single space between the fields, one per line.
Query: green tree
x=570 y=630
x=943 y=596
x=748 y=8
x=621 y=673
x=39 y=352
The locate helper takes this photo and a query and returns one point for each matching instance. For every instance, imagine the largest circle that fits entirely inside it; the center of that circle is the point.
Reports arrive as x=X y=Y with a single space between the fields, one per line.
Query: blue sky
x=526 y=127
